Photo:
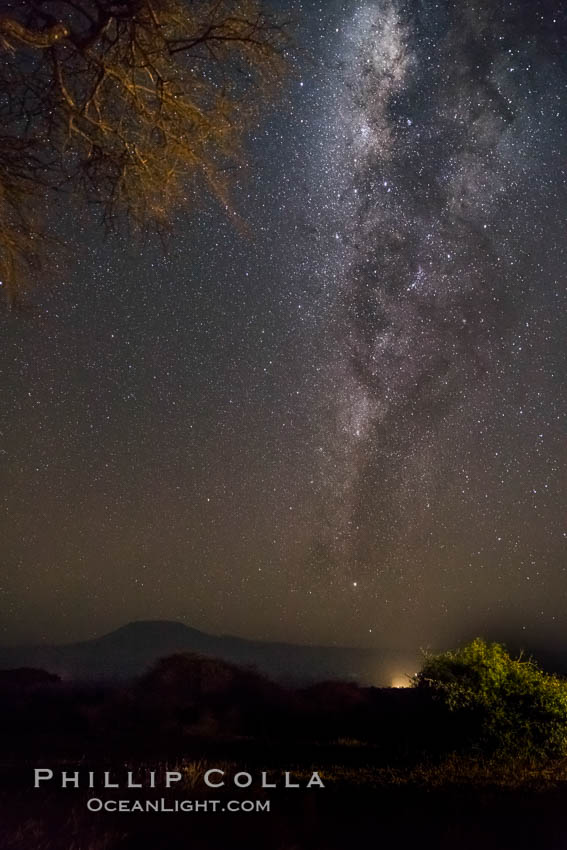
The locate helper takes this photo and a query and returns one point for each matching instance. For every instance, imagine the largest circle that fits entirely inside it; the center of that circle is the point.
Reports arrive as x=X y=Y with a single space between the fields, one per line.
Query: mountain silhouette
x=131 y=649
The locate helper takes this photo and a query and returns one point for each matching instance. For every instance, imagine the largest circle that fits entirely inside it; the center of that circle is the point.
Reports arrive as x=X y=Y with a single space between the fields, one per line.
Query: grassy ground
x=368 y=745
x=455 y=803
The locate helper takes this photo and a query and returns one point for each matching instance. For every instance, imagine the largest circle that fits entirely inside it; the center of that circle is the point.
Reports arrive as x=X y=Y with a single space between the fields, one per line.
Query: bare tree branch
x=114 y=100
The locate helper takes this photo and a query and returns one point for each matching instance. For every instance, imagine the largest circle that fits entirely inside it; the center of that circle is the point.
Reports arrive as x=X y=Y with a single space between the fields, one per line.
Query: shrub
x=191 y=693
x=505 y=707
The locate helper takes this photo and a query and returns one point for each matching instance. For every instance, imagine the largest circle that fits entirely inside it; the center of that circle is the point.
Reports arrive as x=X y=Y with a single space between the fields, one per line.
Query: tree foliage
x=124 y=103
x=505 y=706
x=190 y=692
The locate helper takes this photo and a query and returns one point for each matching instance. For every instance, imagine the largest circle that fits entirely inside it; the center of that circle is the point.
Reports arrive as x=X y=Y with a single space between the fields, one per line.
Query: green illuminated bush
x=503 y=706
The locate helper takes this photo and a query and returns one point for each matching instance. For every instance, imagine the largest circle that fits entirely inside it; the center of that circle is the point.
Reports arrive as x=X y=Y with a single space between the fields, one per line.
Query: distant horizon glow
x=401 y=680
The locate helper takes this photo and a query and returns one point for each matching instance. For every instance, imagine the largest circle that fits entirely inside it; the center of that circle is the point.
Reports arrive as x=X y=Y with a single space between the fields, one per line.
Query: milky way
x=348 y=425
x=434 y=125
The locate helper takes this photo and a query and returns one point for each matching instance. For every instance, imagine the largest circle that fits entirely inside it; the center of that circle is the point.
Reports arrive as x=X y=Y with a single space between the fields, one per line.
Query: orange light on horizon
x=401 y=680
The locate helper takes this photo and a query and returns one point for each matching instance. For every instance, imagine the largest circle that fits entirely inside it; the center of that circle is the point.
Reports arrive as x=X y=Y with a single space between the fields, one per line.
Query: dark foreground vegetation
x=472 y=755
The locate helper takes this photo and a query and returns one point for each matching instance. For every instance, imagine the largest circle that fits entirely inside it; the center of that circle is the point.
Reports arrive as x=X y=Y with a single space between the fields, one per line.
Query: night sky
x=346 y=423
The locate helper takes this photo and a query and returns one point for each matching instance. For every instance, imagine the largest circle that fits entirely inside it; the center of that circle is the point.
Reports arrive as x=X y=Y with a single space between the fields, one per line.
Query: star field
x=347 y=424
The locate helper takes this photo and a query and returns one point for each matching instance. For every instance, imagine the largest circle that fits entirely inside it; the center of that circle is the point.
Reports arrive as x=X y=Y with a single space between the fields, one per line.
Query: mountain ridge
x=129 y=650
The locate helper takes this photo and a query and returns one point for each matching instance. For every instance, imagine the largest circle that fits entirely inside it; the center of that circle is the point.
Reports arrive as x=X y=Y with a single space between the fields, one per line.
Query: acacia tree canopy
x=125 y=103
x=506 y=706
